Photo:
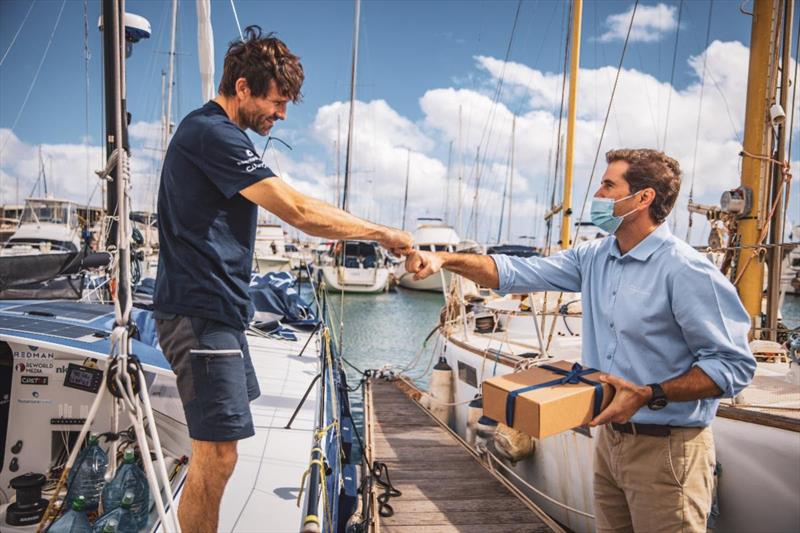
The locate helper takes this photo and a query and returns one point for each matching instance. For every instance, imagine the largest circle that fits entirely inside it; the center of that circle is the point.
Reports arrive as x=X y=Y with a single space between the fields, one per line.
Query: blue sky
x=417 y=58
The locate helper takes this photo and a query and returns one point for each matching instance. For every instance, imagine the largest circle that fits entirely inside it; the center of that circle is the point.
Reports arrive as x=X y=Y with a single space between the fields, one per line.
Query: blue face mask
x=602 y=214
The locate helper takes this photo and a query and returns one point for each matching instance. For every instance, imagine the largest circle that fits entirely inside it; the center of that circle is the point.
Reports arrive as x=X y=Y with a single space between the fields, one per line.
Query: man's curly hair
x=260 y=59
x=654 y=169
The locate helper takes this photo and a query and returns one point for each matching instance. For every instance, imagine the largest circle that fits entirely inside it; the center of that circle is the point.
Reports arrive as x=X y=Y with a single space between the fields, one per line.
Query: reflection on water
x=385 y=328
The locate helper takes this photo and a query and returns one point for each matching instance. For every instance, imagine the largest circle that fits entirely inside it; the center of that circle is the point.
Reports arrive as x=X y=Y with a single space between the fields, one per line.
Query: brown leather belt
x=652 y=430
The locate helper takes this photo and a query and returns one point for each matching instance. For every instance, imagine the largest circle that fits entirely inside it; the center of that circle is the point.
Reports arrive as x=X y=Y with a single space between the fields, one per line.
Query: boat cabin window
x=356 y=255
x=52 y=212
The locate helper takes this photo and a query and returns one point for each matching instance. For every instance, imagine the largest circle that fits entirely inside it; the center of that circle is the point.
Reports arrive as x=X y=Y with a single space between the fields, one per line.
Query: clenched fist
x=423 y=264
x=397 y=241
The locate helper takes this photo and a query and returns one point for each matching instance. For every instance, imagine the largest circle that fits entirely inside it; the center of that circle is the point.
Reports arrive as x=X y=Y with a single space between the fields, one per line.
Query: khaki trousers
x=653 y=484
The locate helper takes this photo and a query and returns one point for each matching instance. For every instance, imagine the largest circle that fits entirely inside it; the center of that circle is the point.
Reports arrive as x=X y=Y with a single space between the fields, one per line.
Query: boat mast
x=566 y=209
x=113 y=141
x=775 y=255
x=348 y=161
x=511 y=178
x=405 y=198
x=170 y=81
x=760 y=86
x=447 y=185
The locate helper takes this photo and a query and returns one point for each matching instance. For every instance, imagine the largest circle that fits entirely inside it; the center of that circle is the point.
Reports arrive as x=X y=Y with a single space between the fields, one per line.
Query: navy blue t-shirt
x=206 y=229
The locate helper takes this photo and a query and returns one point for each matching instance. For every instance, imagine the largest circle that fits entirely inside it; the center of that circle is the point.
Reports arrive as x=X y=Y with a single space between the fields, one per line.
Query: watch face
x=657 y=403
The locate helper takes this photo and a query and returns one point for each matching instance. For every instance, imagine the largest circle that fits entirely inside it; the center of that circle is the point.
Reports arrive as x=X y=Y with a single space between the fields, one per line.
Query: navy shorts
x=216 y=380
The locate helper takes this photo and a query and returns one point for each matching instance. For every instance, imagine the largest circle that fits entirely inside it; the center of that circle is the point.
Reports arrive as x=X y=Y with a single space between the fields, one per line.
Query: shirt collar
x=648 y=245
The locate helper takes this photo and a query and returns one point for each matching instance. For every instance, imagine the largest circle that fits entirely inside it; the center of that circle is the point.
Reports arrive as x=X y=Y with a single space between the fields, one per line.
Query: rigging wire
x=794 y=110
x=35 y=77
x=605 y=123
x=489 y=125
x=699 y=118
x=672 y=77
x=236 y=18
x=565 y=18
x=14 y=39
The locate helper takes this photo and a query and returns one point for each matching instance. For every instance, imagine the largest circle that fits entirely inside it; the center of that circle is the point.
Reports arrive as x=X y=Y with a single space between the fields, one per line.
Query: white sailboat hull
x=431 y=283
x=361 y=280
x=274 y=263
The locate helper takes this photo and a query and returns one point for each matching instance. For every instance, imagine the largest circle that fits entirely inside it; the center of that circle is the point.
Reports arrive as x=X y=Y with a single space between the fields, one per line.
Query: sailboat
x=352 y=265
x=68 y=368
x=757 y=433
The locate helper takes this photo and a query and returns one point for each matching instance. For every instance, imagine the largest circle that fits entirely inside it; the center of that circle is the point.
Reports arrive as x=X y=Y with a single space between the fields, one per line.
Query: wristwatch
x=659 y=399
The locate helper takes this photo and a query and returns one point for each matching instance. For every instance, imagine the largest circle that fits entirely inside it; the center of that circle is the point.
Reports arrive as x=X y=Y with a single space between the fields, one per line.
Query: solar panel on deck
x=47 y=327
x=71 y=310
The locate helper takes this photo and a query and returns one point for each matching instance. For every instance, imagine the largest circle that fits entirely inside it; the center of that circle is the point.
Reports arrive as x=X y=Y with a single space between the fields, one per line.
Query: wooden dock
x=444 y=487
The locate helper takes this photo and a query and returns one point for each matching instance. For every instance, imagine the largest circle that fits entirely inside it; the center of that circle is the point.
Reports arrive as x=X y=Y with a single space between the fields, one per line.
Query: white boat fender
x=441 y=391
x=513 y=444
x=474 y=412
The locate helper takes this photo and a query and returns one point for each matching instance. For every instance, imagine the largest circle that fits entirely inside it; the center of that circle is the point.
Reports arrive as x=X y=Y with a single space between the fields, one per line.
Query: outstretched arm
x=319 y=218
x=479 y=268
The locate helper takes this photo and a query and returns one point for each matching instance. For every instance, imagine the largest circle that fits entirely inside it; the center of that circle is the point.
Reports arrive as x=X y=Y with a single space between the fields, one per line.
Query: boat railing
x=330 y=453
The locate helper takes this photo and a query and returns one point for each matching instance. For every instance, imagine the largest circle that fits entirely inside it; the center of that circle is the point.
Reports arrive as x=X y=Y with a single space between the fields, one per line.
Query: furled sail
x=205 y=49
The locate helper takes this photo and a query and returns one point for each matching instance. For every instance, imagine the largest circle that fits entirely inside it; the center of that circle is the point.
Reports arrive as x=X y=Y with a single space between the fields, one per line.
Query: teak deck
x=444 y=488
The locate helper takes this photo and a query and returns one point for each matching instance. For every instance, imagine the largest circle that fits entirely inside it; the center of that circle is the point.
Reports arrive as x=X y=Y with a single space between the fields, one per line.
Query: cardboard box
x=548 y=410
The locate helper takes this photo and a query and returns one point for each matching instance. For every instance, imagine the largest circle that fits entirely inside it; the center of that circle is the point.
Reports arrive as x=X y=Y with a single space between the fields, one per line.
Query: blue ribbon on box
x=572 y=376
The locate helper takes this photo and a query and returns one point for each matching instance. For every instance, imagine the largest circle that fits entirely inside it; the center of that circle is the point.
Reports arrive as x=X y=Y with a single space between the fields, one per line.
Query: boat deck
x=444 y=488
x=261 y=496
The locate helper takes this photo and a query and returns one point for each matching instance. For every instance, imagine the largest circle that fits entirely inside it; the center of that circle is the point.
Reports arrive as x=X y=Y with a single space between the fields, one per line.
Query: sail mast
x=405 y=198
x=760 y=80
x=351 y=123
x=566 y=209
x=170 y=80
x=511 y=178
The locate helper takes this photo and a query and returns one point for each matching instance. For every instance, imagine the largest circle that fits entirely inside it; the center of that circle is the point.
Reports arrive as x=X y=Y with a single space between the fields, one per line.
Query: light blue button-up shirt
x=649 y=315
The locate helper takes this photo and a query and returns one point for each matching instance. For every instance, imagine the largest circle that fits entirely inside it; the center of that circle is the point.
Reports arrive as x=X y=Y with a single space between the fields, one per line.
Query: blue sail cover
x=276 y=293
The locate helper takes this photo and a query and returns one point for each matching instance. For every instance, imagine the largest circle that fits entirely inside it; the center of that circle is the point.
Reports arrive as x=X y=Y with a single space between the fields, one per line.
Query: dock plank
x=444 y=489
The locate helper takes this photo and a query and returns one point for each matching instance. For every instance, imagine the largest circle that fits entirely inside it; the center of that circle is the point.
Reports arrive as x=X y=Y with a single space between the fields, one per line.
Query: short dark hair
x=654 y=169
x=260 y=59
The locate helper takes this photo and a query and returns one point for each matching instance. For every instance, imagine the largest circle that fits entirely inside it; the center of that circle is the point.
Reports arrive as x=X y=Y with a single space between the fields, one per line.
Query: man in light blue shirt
x=665 y=327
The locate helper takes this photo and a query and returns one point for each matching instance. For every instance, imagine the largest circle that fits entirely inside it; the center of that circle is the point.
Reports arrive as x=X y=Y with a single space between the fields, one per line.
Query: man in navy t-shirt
x=212 y=183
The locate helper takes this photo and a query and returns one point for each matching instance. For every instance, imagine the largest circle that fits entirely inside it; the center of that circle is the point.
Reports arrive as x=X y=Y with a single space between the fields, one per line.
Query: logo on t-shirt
x=253 y=161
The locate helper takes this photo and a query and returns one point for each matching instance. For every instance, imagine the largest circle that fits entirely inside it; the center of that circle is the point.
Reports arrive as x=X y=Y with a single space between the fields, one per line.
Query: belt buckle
x=633 y=428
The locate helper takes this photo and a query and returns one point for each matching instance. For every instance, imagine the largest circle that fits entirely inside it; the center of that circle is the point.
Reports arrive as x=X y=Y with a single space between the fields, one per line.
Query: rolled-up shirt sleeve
x=715 y=325
x=558 y=272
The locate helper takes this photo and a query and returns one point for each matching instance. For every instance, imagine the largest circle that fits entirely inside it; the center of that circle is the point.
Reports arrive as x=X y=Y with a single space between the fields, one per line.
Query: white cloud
x=638 y=119
x=650 y=25
x=69 y=170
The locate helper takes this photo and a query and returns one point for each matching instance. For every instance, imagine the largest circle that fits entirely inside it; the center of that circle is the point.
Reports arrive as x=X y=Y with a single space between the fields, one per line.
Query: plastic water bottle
x=74 y=520
x=110 y=526
x=131 y=478
x=87 y=475
x=122 y=516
